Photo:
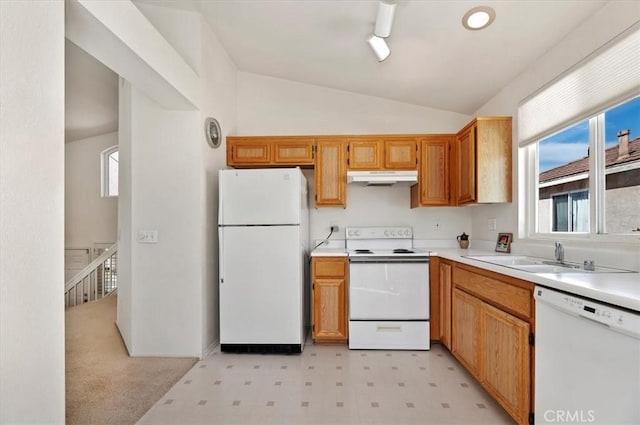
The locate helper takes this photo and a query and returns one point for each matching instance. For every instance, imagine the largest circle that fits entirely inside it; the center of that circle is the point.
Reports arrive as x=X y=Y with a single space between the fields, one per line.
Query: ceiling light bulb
x=478 y=18
x=384 y=19
x=379 y=47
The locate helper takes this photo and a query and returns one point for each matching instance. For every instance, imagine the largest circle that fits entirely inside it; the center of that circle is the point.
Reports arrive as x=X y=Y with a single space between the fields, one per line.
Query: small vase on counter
x=463 y=240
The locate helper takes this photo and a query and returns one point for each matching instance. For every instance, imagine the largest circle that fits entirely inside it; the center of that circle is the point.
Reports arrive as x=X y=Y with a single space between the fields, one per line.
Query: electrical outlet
x=437 y=226
x=335 y=227
x=492 y=224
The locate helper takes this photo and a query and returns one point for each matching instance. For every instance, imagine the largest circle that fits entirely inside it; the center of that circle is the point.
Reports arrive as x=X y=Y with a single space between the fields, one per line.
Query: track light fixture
x=384 y=19
x=379 y=47
x=382 y=30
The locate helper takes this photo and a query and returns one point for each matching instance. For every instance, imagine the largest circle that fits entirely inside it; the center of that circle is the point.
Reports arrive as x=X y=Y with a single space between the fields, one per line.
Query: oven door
x=389 y=289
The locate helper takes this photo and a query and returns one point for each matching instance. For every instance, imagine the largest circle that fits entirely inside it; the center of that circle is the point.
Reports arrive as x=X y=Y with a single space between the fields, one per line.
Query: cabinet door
x=365 y=154
x=331 y=172
x=329 y=299
x=329 y=309
x=245 y=152
x=466 y=165
x=493 y=159
x=465 y=330
x=445 y=303
x=434 y=171
x=298 y=151
x=505 y=366
x=400 y=153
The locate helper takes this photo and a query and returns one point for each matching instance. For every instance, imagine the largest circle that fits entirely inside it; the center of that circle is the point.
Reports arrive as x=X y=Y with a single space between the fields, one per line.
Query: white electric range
x=388 y=289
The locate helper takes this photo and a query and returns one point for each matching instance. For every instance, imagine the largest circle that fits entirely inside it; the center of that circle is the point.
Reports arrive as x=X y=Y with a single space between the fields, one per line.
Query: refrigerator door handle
x=220 y=254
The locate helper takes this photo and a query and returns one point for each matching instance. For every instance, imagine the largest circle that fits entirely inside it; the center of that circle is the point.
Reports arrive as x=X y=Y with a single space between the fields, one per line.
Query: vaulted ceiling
x=435 y=61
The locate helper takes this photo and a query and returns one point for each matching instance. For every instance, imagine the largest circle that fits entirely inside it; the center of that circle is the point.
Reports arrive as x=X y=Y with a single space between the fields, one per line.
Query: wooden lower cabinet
x=329 y=299
x=505 y=369
x=491 y=324
x=465 y=335
x=445 y=271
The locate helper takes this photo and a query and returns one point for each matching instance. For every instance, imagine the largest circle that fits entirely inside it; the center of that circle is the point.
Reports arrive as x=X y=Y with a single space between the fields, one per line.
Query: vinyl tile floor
x=329 y=385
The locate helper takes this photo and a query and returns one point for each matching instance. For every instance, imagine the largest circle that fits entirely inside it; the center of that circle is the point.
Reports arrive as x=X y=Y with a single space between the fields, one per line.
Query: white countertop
x=620 y=289
x=329 y=252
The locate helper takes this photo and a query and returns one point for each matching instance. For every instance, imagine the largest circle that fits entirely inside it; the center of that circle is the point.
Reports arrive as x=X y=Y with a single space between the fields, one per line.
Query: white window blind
x=607 y=77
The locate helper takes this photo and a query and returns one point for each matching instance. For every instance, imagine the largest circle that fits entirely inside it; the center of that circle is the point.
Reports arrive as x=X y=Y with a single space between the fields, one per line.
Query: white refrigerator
x=263 y=221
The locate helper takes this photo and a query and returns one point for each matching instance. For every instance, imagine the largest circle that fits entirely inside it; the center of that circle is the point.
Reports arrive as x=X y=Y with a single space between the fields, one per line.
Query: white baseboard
x=211 y=348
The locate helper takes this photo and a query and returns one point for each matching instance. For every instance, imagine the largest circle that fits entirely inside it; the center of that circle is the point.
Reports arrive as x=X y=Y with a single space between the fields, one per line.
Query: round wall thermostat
x=212 y=132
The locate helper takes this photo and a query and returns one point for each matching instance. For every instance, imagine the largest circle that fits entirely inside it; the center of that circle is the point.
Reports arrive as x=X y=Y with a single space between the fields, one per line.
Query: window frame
x=105 y=175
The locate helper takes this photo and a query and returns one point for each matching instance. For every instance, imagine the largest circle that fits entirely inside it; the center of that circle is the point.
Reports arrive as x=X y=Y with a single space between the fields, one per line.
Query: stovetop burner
x=364 y=251
x=402 y=251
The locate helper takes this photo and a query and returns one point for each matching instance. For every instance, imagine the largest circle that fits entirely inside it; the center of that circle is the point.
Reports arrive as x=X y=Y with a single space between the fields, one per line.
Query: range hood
x=382 y=178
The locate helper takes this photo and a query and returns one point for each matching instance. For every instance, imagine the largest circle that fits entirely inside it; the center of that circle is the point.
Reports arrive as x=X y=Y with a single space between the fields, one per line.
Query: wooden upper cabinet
x=382 y=153
x=331 y=172
x=297 y=151
x=483 y=163
x=400 y=153
x=270 y=151
x=248 y=151
x=466 y=163
x=433 y=188
x=365 y=153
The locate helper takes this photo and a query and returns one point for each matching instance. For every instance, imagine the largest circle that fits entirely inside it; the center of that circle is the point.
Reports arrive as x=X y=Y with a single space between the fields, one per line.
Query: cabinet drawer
x=515 y=299
x=330 y=268
x=389 y=335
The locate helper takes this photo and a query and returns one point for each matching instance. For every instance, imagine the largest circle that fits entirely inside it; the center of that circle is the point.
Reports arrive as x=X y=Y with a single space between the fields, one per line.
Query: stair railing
x=98 y=279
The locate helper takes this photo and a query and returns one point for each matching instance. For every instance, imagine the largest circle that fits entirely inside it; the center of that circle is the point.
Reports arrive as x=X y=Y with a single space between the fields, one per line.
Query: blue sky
x=572 y=143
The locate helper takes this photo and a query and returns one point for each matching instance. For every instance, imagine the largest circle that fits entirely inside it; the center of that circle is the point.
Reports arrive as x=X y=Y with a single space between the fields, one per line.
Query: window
x=110 y=172
x=588 y=175
x=571 y=212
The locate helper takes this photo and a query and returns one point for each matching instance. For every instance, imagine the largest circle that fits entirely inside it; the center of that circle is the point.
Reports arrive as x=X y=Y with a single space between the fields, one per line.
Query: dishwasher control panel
x=616 y=318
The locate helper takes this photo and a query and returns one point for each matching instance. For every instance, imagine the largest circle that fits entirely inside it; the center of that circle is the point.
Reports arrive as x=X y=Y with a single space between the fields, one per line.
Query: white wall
x=89 y=218
x=164 y=193
x=218 y=75
x=609 y=21
x=271 y=106
x=32 y=382
x=124 y=317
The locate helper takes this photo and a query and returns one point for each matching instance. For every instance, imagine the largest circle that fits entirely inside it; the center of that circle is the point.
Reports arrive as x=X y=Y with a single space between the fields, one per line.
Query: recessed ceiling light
x=478 y=18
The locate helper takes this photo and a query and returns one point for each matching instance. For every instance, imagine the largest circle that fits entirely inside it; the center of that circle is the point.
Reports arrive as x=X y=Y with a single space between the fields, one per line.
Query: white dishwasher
x=587 y=361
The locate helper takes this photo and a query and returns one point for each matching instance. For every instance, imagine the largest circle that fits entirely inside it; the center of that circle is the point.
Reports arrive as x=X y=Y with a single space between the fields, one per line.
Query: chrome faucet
x=559 y=253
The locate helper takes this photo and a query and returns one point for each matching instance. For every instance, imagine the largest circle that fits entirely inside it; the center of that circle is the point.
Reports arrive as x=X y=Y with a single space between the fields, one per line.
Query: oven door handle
x=387 y=260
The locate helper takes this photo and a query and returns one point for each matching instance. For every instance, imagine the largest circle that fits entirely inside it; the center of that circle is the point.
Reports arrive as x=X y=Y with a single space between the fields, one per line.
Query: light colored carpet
x=103 y=384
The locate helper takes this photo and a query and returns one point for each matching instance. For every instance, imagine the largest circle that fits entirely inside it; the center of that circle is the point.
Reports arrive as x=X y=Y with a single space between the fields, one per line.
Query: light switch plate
x=492 y=224
x=147 y=236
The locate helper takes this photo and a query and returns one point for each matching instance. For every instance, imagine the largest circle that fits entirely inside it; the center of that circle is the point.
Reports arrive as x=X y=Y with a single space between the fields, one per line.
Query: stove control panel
x=379 y=232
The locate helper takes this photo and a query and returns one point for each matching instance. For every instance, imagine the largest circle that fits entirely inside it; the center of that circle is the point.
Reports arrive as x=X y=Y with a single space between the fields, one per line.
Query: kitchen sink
x=539 y=265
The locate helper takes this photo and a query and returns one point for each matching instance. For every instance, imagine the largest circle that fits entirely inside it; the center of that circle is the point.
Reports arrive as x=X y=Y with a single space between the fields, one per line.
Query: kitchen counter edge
x=329 y=252
x=618 y=289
